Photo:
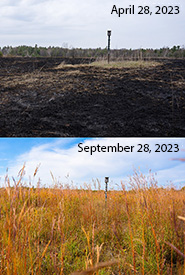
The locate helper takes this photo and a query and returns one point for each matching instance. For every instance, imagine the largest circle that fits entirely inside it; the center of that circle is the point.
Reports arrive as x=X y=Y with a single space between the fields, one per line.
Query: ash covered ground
x=40 y=97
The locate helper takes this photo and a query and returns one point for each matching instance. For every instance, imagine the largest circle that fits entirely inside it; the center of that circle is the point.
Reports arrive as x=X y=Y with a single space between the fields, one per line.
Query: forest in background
x=98 y=53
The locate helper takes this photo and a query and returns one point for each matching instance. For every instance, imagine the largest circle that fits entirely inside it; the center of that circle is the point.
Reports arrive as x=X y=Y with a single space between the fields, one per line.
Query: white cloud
x=62 y=158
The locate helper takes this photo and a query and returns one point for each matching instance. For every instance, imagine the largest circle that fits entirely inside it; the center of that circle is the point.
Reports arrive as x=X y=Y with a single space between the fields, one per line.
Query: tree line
x=98 y=53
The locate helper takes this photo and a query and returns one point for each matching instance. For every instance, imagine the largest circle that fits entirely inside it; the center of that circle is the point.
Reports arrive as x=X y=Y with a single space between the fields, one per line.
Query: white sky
x=61 y=157
x=82 y=23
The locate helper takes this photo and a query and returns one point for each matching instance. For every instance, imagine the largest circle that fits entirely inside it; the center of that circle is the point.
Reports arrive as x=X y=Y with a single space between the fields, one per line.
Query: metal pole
x=109 y=35
x=108 y=49
x=106 y=182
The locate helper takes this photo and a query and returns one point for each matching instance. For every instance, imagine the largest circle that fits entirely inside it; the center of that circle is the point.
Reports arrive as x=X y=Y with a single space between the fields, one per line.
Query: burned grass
x=48 y=97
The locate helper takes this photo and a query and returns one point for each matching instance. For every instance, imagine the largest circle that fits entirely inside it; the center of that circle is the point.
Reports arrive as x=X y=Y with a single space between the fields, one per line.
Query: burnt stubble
x=41 y=97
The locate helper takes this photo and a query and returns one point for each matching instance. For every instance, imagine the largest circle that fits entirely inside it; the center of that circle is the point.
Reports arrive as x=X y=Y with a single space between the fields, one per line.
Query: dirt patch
x=45 y=97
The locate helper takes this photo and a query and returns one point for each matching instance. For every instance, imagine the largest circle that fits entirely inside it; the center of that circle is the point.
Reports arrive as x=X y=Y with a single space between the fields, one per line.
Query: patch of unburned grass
x=63 y=65
x=126 y=64
x=112 y=64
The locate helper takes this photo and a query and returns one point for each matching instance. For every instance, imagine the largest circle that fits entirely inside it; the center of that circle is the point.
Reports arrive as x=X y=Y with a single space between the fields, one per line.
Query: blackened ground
x=40 y=98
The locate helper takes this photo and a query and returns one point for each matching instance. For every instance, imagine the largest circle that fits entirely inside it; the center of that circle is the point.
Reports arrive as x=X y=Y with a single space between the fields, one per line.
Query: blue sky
x=81 y=23
x=60 y=157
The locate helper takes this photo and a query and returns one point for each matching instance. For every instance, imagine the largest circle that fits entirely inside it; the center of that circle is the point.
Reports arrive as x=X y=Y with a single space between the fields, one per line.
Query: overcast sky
x=82 y=23
x=61 y=157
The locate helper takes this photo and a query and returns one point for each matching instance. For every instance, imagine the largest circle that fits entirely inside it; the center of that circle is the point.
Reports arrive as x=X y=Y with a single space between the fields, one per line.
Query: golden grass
x=63 y=65
x=126 y=64
x=59 y=231
x=112 y=64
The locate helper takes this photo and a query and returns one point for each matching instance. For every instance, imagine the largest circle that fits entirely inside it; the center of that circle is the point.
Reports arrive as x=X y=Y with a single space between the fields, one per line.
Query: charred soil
x=41 y=97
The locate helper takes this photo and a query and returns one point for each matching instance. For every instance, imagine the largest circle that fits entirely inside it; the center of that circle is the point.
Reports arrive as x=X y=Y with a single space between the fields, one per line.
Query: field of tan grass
x=126 y=64
x=62 y=230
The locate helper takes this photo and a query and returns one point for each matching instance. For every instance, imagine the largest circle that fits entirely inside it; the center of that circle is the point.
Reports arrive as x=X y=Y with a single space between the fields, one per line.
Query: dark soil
x=86 y=101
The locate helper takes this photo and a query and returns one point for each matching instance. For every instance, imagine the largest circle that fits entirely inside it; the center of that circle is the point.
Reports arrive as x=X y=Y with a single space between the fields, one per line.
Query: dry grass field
x=61 y=230
x=65 y=98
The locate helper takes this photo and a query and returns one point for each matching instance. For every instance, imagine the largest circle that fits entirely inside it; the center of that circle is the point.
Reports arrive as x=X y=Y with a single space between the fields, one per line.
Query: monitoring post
x=109 y=35
x=106 y=182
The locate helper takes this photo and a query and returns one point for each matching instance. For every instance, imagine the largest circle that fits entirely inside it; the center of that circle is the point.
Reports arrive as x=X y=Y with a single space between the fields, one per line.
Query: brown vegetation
x=60 y=231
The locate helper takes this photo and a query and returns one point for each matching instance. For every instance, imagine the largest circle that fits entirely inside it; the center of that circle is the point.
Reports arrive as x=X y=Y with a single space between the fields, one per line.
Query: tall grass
x=60 y=231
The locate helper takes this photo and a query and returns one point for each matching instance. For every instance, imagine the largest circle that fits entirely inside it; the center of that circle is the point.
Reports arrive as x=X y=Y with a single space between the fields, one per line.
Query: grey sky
x=82 y=23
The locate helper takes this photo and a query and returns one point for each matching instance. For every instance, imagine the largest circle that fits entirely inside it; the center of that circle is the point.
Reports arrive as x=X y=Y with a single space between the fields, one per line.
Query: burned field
x=42 y=97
